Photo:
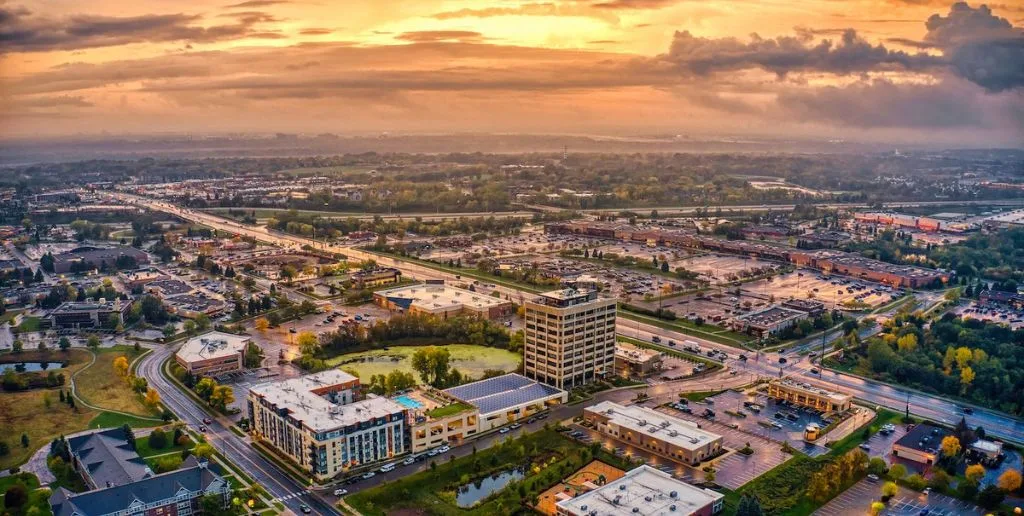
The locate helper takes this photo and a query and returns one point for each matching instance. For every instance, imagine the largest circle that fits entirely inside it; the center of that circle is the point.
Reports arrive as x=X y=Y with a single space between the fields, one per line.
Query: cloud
x=531 y=9
x=982 y=48
x=255 y=3
x=22 y=32
x=633 y=4
x=431 y=36
x=786 y=54
x=315 y=32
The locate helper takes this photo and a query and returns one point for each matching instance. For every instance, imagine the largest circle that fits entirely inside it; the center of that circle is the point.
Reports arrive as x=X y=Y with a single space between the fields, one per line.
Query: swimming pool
x=408 y=402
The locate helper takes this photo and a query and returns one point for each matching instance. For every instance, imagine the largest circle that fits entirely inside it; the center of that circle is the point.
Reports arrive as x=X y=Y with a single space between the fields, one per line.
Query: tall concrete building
x=570 y=338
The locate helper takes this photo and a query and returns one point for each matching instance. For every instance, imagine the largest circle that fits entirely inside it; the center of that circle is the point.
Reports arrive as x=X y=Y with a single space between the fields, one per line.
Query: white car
x=444 y=449
x=340 y=492
x=369 y=474
x=408 y=461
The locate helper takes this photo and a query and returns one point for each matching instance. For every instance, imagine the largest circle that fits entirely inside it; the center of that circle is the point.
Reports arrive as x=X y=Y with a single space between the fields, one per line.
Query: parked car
x=368 y=475
x=340 y=492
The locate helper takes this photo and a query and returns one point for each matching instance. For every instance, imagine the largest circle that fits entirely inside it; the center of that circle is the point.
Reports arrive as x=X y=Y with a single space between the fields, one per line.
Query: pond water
x=469 y=494
x=27 y=367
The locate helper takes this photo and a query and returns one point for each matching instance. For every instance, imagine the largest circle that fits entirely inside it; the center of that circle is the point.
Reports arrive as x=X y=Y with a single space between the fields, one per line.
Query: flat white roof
x=650 y=422
x=644 y=490
x=317 y=412
x=437 y=297
x=215 y=344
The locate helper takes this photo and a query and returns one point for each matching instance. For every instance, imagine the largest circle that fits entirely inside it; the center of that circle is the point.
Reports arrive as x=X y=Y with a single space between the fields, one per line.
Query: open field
x=471 y=360
x=100 y=385
x=27 y=412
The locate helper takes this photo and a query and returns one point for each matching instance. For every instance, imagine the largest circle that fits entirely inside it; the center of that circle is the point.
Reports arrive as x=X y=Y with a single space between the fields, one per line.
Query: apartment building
x=317 y=422
x=570 y=338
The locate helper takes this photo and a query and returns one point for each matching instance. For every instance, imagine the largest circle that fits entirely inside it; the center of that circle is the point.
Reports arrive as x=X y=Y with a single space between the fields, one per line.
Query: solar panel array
x=502 y=392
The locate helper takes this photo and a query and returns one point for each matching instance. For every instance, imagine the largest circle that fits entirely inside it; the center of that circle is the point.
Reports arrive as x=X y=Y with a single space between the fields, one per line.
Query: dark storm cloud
x=21 y=31
x=785 y=54
x=981 y=47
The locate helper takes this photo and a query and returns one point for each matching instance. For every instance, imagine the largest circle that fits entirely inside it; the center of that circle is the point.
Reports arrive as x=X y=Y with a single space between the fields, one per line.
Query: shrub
x=168 y=463
x=158 y=439
x=916 y=482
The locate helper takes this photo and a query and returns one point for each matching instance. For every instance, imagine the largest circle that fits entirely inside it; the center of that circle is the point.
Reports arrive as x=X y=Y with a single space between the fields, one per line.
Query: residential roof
x=193 y=477
x=502 y=392
x=299 y=397
x=643 y=490
x=679 y=432
x=214 y=344
x=108 y=458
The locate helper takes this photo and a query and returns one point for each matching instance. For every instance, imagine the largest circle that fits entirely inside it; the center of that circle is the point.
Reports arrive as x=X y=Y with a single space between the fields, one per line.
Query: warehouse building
x=644 y=490
x=655 y=432
x=317 y=422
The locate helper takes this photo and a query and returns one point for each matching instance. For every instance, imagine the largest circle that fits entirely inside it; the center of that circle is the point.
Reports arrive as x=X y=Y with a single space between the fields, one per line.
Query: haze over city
x=866 y=70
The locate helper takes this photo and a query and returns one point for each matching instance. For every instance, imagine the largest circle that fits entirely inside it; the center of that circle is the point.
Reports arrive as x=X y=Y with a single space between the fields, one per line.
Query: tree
x=16 y=496
x=897 y=471
x=204 y=388
x=1010 y=480
x=907 y=343
x=203 y=451
x=64 y=344
x=889 y=489
x=966 y=377
x=157 y=439
x=877 y=508
x=190 y=327
x=24 y=440
x=152 y=398
x=17 y=346
x=261 y=324
x=877 y=466
x=975 y=472
x=940 y=479
x=916 y=482
x=749 y=506
x=309 y=343
x=222 y=396
x=203 y=322
x=950 y=446
x=129 y=435
x=93 y=342
x=991 y=497
x=121 y=366
x=432 y=363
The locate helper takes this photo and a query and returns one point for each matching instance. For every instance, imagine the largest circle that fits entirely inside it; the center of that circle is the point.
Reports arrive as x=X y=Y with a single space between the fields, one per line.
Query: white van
x=387 y=467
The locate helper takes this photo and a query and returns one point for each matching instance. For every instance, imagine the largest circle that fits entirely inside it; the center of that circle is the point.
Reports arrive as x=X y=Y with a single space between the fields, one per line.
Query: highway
x=689 y=210
x=235 y=448
x=996 y=423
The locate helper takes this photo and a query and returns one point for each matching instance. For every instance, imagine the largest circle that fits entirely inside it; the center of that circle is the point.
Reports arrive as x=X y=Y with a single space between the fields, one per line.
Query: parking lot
x=993 y=313
x=673 y=368
x=858 y=499
x=765 y=418
x=619 y=281
x=800 y=284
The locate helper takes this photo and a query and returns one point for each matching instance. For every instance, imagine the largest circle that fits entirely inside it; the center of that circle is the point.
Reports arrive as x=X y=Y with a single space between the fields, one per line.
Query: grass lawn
x=113 y=419
x=546 y=456
x=699 y=396
x=101 y=386
x=28 y=480
x=448 y=410
x=469 y=359
x=9 y=315
x=28 y=324
x=27 y=412
x=144 y=450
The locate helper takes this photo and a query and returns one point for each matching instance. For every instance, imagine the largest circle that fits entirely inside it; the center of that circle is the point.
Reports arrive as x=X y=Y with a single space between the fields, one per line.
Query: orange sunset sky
x=918 y=70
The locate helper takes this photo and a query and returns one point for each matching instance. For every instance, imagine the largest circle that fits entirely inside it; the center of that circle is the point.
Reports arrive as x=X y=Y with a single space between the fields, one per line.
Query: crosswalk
x=291 y=496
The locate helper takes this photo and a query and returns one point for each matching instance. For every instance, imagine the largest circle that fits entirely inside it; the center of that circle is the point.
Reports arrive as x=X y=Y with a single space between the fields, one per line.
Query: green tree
x=889 y=489
x=17 y=346
x=749 y=506
x=897 y=471
x=64 y=344
x=93 y=342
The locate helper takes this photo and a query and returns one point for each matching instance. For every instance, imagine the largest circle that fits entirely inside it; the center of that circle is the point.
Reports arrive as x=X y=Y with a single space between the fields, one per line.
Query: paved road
x=765 y=364
x=235 y=448
x=686 y=210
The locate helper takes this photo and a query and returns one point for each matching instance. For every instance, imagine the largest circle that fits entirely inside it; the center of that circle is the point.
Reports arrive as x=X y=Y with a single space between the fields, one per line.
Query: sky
x=861 y=70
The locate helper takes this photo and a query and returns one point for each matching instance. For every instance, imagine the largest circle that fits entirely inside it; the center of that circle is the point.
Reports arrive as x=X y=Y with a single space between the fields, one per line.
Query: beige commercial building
x=213 y=353
x=634 y=361
x=442 y=301
x=570 y=338
x=656 y=432
x=805 y=395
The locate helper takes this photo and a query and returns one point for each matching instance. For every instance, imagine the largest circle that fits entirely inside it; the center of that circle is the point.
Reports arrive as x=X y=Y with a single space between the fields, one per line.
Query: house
x=120 y=482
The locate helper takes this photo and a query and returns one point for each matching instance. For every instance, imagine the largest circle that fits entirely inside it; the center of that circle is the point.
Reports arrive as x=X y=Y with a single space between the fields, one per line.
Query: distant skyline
x=865 y=70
